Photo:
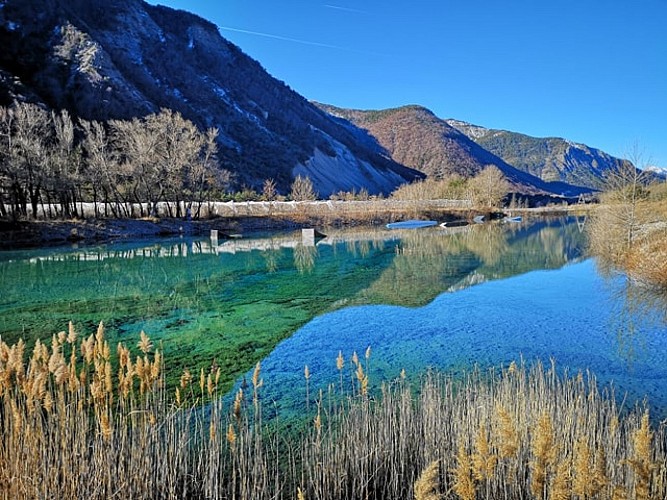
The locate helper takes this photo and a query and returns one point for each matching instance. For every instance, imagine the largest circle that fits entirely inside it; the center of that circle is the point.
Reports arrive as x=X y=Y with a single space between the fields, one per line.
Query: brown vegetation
x=485 y=191
x=416 y=138
x=628 y=230
x=80 y=421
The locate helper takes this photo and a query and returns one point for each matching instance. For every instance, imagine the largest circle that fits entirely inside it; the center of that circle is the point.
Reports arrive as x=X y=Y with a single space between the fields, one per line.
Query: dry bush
x=632 y=239
x=488 y=188
x=428 y=484
x=302 y=189
x=453 y=187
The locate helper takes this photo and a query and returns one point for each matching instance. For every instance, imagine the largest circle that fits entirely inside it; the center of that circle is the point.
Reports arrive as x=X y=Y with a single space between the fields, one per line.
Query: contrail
x=346 y=9
x=284 y=38
x=297 y=40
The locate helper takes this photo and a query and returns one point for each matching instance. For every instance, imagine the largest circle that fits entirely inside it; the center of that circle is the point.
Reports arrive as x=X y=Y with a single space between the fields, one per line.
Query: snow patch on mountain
x=472 y=131
x=659 y=171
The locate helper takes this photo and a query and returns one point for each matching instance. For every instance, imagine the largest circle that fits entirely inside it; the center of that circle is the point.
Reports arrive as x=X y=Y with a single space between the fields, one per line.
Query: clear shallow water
x=571 y=315
x=446 y=298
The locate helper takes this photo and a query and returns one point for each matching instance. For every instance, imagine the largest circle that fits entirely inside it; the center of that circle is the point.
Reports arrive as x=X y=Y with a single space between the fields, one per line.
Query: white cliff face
x=345 y=172
x=472 y=131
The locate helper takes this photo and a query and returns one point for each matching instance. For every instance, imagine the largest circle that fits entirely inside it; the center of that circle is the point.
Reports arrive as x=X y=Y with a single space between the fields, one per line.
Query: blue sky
x=592 y=71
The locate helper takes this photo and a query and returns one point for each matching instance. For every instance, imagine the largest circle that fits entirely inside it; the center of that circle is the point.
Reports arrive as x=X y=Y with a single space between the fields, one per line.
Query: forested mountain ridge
x=417 y=138
x=552 y=159
x=121 y=59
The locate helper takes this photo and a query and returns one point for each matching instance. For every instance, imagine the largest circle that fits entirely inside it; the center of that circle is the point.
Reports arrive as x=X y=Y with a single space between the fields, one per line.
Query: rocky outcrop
x=552 y=159
x=115 y=59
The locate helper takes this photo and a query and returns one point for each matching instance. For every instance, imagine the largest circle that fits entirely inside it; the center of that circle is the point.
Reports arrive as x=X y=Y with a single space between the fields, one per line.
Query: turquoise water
x=570 y=315
x=434 y=297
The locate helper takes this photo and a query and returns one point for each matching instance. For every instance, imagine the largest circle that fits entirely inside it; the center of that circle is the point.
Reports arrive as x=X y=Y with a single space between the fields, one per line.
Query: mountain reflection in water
x=234 y=300
x=569 y=315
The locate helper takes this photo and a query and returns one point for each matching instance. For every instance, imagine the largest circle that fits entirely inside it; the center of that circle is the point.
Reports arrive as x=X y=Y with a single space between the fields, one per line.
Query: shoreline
x=51 y=233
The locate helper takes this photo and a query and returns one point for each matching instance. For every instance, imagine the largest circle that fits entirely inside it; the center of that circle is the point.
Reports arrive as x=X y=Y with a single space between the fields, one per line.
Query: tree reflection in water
x=638 y=306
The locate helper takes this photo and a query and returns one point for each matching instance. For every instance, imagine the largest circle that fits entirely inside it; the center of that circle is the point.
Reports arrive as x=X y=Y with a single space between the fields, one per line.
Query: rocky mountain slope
x=124 y=58
x=552 y=159
x=415 y=137
x=120 y=59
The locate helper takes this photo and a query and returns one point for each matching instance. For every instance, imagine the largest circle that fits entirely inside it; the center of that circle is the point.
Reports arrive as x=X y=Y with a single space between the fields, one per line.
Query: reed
x=428 y=484
x=80 y=420
x=464 y=484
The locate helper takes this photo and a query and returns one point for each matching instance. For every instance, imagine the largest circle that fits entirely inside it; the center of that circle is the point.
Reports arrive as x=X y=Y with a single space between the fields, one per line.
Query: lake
x=447 y=298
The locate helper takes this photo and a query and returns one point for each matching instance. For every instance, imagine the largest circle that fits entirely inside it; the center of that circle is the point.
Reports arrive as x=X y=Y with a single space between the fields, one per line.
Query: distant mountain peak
x=552 y=159
x=414 y=136
x=661 y=172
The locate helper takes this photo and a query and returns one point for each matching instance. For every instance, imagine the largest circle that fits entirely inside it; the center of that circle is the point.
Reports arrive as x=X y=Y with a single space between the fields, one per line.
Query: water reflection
x=636 y=308
x=304 y=257
x=567 y=314
x=235 y=299
x=428 y=262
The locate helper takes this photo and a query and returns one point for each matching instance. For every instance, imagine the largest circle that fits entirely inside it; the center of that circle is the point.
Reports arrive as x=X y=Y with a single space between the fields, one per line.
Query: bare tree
x=622 y=232
x=136 y=146
x=625 y=188
x=204 y=174
x=6 y=177
x=100 y=170
x=30 y=137
x=488 y=188
x=180 y=144
x=269 y=192
x=63 y=165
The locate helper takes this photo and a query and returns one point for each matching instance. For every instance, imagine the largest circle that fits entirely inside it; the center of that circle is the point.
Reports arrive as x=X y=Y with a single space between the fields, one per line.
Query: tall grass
x=81 y=421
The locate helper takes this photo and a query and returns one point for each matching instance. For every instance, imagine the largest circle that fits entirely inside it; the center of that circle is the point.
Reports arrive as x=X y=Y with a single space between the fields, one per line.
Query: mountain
x=552 y=159
x=417 y=138
x=118 y=59
x=659 y=172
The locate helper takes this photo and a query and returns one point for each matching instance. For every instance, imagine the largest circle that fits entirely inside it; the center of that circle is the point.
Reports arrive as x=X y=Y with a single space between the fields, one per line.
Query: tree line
x=125 y=167
x=51 y=163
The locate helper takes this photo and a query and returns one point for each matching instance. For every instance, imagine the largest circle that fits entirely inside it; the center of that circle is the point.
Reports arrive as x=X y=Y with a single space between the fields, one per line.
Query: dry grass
x=648 y=258
x=80 y=420
x=428 y=483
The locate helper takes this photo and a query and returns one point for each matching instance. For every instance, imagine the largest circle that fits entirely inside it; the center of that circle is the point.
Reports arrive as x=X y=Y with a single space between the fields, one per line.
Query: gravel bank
x=26 y=234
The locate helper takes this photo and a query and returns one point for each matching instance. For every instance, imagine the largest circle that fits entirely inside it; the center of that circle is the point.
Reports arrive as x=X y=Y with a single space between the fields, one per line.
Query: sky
x=591 y=71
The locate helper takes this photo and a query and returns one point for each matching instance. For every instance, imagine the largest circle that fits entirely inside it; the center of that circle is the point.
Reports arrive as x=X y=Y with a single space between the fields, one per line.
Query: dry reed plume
x=80 y=420
x=428 y=483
